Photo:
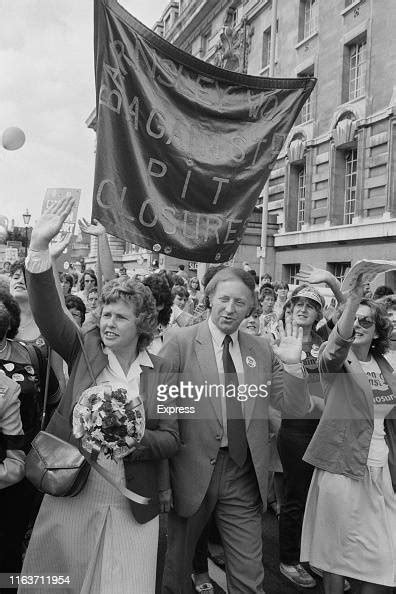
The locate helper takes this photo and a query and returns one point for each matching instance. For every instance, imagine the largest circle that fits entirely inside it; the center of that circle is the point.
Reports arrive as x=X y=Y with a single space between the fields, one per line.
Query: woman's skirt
x=350 y=526
x=93 y=539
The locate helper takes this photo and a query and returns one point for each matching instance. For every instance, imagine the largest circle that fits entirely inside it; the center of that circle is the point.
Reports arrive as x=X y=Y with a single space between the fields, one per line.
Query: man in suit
x=223 y=461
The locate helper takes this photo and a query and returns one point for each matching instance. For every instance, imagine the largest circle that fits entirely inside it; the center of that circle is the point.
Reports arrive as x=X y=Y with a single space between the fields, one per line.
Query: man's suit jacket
x=145 y=468
x=191 y=354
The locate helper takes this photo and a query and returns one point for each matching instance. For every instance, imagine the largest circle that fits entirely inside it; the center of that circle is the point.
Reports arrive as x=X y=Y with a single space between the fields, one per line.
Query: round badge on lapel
x=303 y=355
x=251 y=362
x=315 y=351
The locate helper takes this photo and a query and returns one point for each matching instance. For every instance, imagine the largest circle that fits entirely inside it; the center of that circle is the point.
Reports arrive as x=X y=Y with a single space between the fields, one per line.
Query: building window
x=308 y=22
x=306 y=113
x=290 y=271
x=350 y=185
x=266 y=53
x=301 y=187
x=339 y=269
x=357 y=69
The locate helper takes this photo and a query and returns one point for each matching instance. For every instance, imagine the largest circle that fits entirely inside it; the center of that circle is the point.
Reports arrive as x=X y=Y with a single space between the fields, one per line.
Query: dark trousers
x=19 y=506
x=293 y=440
x=233 y=496
x=209 y=533
x=200 y=561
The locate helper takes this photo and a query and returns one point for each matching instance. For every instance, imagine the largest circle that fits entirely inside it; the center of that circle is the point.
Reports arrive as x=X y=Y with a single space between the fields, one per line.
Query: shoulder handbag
x=60 y=469
x=53 y=465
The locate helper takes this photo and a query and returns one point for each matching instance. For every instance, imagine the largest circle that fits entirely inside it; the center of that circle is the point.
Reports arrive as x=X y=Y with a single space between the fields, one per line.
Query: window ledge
x=265 y=71
x=306 y=39
x=357 y=100
x=350 y=7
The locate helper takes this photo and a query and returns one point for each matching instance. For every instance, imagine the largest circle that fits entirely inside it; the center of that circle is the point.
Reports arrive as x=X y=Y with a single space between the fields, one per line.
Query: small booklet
x=369 y=268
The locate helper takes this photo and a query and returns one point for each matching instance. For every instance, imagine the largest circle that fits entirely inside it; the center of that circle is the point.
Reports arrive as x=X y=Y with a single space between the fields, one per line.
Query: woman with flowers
x=103 y=541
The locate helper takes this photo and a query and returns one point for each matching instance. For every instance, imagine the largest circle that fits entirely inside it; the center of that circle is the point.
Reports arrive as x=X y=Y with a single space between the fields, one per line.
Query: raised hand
x=358 y=289
x=94 y=228
x=290 y=346
x=57 y=248
x=313 y=275
x=50 y=223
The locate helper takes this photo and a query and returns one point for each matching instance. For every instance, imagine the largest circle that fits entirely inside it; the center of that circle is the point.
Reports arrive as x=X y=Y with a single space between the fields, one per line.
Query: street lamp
x=26 y=219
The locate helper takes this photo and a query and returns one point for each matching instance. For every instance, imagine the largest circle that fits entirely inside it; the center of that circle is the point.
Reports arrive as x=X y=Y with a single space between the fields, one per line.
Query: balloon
x=13 y=138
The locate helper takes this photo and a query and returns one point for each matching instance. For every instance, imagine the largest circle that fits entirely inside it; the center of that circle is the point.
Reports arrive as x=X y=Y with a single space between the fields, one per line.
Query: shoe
x=319 y=572
x=206 y=586
x=298 y=575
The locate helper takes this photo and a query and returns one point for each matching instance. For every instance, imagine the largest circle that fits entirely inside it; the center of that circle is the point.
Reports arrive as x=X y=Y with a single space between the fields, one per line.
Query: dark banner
x=183 y=148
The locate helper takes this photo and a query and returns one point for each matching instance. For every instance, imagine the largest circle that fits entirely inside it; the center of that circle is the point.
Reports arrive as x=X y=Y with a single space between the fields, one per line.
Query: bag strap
x=131 y=495
x=47 y=377
x=102 y=471
x=84 y=352
x=33 y=357
x=35 y=361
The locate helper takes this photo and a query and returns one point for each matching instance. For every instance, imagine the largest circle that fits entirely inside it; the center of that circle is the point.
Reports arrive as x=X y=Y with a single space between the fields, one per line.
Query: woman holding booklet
x=350 y=518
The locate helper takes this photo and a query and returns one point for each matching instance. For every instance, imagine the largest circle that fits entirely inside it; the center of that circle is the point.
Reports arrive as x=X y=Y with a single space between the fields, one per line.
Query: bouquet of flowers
x=108 y=420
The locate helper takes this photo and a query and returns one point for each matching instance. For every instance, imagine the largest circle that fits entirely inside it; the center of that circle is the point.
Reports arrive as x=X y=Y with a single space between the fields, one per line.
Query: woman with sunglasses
x=350 y=518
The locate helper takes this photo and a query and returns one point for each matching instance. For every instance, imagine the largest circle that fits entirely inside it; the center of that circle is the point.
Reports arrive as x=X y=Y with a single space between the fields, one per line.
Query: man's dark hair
x=72 y=301
x=159 y=286
x=181 y=267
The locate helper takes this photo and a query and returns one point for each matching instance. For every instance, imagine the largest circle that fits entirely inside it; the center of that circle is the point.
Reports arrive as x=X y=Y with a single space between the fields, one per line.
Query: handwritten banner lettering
x=183 y=148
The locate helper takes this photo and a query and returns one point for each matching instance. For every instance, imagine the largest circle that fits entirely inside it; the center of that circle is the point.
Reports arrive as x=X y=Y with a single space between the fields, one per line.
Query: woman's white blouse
x=114 y=374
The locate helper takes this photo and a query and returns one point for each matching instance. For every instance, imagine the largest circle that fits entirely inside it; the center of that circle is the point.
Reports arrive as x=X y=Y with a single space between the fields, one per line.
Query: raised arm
x=314 y=276
x=54 y=324
x=105 y=259
x=333 y=354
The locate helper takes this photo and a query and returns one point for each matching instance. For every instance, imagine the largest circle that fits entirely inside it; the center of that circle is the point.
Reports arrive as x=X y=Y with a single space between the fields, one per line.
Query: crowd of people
x=290 y=404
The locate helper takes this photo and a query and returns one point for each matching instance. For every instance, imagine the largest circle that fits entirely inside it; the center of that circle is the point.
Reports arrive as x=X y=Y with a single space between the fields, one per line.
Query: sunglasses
x=364 y=321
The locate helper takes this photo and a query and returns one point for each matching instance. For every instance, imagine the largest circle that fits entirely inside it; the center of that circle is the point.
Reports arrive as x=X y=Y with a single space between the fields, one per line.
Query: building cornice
x=356 y=232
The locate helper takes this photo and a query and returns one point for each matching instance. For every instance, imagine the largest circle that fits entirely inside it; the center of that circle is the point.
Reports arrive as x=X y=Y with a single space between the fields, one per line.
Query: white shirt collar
x=218 y=335
x=143 y=359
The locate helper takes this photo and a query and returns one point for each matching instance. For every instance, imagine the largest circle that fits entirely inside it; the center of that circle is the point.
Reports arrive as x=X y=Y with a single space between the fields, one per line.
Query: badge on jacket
x=251 y=361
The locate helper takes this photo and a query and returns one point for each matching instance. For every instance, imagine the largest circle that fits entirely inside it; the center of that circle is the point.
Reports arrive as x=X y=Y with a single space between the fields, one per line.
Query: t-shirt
x=384 y=400
x=309 y=359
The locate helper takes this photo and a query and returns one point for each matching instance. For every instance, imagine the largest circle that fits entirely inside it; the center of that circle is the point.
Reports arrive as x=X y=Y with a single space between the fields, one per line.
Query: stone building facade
x=332 y=198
